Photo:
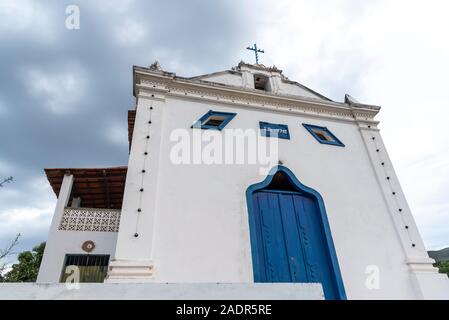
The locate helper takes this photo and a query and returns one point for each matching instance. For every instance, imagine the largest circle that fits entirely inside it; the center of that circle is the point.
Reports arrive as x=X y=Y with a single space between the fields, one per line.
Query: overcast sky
x=64 y=94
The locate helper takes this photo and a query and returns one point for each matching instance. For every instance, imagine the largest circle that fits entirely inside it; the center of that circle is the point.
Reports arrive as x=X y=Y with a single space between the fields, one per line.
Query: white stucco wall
x=62 y=242
x=69 y=242
x=225 y=78
x=193 y=224
x=194 y=221
x=201 y=229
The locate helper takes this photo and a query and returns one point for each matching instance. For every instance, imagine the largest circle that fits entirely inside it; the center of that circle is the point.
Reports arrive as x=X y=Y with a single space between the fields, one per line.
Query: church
x=237 y=177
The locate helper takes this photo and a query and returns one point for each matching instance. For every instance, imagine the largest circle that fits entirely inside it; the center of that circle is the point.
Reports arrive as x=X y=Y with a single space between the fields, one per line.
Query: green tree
x=27 y=268
x=443 y=266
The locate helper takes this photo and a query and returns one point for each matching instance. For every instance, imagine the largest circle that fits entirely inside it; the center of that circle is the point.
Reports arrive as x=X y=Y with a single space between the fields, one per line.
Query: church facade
x=309 y=196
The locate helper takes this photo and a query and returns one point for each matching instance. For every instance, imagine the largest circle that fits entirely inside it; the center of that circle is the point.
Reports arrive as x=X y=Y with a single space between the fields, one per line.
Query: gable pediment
x=244 y=76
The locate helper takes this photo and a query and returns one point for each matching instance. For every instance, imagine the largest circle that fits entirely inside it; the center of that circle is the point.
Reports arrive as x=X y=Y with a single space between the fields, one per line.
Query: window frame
x=336 y=142
x=80 y=257
x=228 y=117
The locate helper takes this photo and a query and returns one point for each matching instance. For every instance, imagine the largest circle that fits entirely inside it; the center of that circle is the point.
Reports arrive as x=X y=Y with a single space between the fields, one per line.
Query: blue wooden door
x=291 y=244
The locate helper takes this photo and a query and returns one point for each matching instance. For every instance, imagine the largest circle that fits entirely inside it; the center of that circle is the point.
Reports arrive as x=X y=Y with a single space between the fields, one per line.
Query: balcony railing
x=90 y=219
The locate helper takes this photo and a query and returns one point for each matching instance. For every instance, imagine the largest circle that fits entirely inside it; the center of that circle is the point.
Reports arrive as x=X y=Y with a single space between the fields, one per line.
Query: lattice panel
x=90 y=219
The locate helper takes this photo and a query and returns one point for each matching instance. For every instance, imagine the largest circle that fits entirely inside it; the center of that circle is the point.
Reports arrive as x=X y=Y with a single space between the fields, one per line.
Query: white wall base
x=433 y=286
x=162 y=291
x=430 y=284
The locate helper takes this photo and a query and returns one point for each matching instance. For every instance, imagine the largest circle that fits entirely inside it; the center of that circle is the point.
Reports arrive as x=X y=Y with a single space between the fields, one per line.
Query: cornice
x=157 y=85
x=260 y=67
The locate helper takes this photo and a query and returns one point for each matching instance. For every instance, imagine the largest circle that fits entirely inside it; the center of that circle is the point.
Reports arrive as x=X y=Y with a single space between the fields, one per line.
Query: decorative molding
x=149 y=83
x=88 y=246
x=422 y=265
x=90 y=219
x=260 y=67
x=130 y=271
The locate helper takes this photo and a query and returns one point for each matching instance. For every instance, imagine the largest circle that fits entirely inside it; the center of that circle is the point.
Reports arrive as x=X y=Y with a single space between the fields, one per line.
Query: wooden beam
x=106 y=186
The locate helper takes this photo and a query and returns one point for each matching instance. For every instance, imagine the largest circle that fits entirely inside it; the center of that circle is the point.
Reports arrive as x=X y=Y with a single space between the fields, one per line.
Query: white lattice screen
x=90 y=219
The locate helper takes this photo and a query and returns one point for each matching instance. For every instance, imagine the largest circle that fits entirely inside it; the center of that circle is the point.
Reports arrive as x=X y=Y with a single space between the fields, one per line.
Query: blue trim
x=317 y=199
x=199 y=123
x=280 y=130
x=336 y=141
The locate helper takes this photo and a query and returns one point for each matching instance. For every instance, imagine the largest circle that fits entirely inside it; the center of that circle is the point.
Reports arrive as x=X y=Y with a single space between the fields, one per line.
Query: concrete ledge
x=162 y=291
x=126 y=271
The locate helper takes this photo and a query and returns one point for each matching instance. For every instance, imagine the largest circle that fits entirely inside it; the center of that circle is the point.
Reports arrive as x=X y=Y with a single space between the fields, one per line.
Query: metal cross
x=256 y=52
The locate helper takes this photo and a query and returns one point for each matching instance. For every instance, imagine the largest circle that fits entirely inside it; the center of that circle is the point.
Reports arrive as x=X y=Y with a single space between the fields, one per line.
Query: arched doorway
x=290 y=235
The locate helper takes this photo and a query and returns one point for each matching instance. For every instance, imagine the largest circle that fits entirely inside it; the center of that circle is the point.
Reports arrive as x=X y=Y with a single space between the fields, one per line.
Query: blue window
x=214 y=120
x=274 y=130
x=323 y=135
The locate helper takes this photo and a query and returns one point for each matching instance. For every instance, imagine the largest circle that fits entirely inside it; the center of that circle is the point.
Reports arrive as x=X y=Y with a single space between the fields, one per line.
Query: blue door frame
x=260 y=191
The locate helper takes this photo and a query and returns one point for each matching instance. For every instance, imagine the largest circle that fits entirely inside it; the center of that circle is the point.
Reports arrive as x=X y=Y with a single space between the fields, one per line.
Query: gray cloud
x=64 y=93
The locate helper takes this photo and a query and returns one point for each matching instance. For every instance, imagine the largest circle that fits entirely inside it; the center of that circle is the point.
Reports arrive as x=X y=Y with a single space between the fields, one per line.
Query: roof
x=97 y=187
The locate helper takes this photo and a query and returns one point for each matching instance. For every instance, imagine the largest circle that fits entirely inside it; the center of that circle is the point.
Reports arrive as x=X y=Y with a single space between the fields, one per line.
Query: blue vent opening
x=323 y=135
x=214 y=120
